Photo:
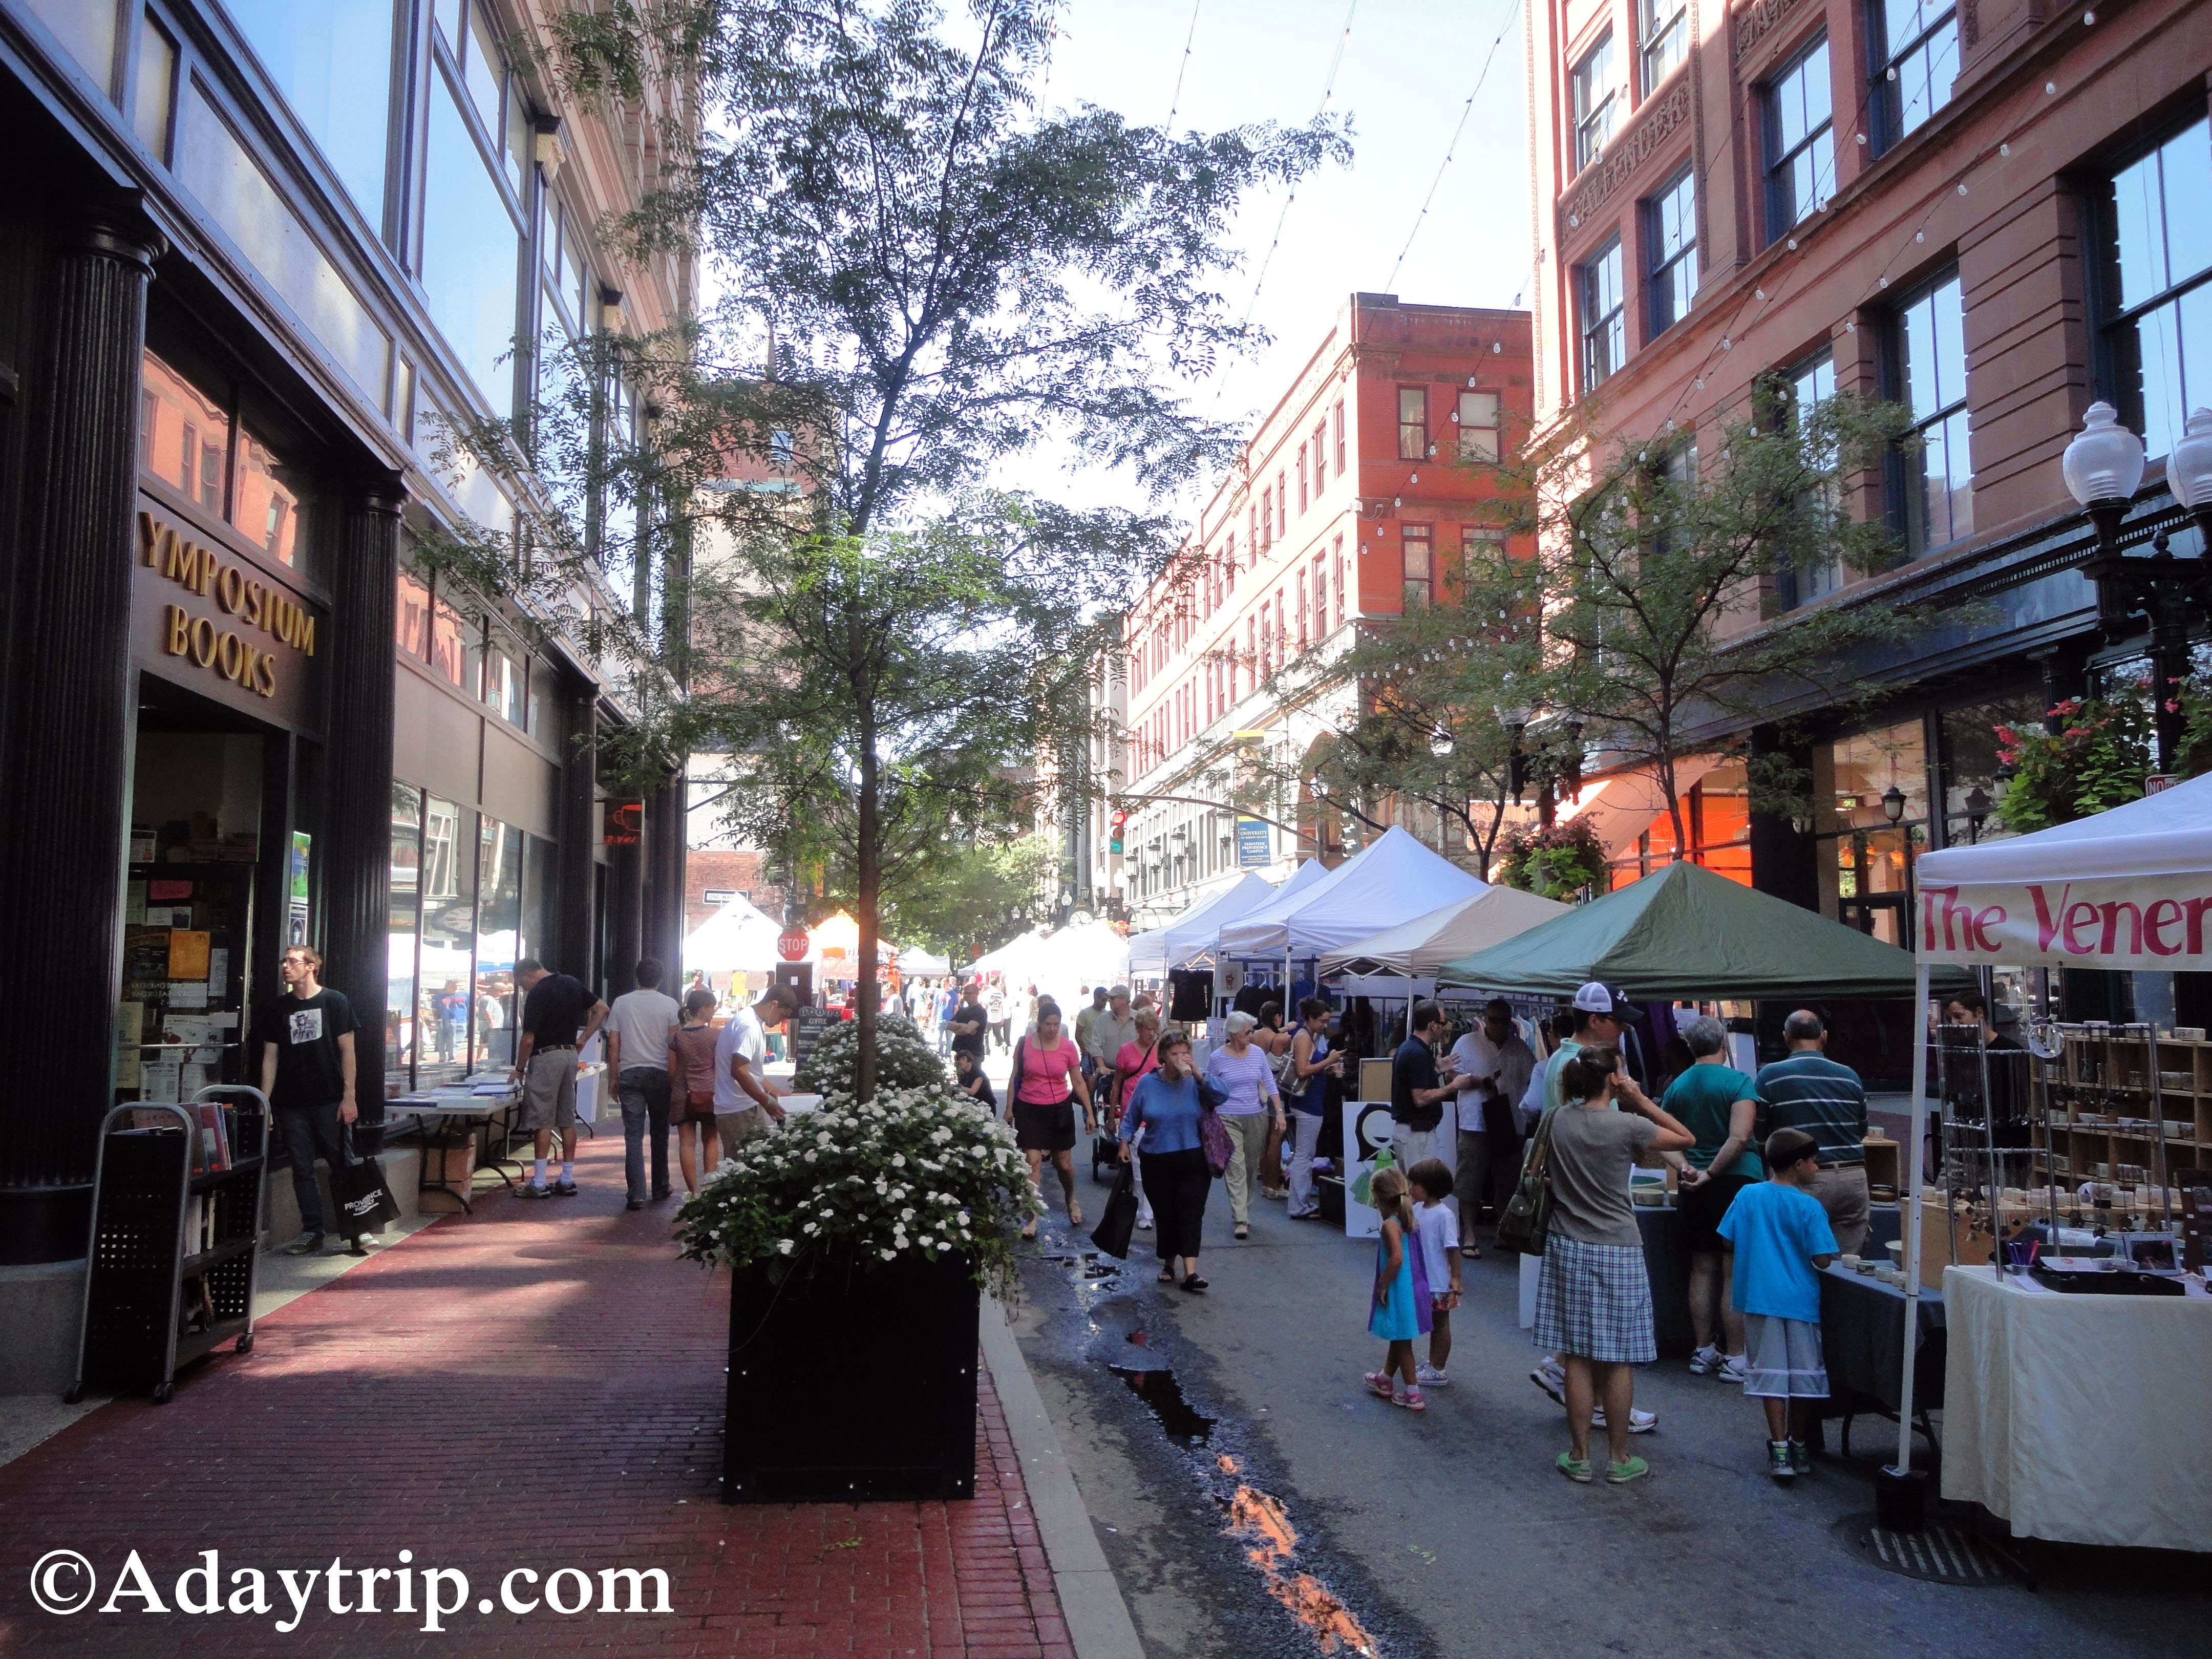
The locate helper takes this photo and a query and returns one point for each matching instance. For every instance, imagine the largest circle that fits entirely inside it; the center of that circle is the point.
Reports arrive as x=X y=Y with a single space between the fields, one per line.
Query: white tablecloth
x=2072 y=1416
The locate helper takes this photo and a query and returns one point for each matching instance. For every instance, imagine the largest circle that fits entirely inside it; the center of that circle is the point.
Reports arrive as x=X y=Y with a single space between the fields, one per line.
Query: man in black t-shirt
x=559 y=1016
x=306 y=1038
x=1418 y=1094
x=971 y=1022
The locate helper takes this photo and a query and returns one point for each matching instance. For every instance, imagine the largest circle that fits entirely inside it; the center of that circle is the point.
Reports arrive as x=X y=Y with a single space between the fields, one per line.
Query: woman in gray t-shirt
x=1594 y=1295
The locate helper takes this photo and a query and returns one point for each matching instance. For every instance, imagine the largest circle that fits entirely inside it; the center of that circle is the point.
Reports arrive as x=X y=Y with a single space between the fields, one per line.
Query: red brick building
x=1345 y=506
x=1992 y=211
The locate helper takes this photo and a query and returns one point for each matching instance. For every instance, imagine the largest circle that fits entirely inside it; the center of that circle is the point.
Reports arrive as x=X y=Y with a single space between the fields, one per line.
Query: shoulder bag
x=1212 y=1132
x=1526 y=1221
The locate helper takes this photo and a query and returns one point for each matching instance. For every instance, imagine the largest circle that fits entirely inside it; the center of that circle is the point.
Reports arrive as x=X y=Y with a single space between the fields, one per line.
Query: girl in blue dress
x=1394 y=1312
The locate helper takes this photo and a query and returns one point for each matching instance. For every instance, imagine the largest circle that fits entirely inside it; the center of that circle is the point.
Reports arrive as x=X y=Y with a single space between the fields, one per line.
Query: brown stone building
x=1994 y=212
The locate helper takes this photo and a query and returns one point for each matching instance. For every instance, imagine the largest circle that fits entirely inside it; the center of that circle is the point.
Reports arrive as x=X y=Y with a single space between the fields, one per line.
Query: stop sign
x=790 y=943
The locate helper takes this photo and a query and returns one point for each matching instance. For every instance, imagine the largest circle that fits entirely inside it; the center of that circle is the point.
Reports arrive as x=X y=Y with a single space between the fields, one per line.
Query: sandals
x=1074 y=1213
x=1030 y=1230
x=1470 y=1253
x=1193 y=1284
x=1167 y=1276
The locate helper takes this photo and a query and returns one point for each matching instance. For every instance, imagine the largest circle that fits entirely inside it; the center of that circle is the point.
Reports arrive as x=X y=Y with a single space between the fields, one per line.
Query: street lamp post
x=2103 y=467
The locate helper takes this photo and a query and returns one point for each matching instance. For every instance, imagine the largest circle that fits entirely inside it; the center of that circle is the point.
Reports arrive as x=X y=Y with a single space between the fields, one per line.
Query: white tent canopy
x=1422 y=947
x=737 y=937
x=915 y=960
x=2126 y=889
x=1394 y=881
x=1192 y=934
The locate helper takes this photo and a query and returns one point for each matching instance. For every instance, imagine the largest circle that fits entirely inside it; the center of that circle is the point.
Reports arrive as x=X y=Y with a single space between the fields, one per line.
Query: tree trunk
x=864 y=989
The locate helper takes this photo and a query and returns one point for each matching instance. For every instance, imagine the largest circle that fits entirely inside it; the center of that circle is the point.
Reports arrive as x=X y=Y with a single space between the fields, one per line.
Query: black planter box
x=848 y=1384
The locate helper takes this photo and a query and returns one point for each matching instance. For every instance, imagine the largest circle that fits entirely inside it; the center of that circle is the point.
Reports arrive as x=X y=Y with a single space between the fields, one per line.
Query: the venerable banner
x=2158 y=922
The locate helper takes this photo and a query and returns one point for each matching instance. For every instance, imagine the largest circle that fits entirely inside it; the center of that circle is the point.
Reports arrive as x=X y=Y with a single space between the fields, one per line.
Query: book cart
x=176 y=1232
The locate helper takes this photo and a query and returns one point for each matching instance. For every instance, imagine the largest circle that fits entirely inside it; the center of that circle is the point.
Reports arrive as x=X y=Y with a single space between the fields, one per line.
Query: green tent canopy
x=1684 y=932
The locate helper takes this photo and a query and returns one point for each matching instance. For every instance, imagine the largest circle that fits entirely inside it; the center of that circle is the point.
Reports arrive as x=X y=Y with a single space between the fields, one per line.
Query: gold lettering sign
x=258 y=607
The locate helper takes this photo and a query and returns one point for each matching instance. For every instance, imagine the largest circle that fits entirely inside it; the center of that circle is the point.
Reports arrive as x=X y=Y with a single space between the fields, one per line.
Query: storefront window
x=471 y=251
x=268 y=508
x=499 y=922
x=450 y=656
x=448 y=935
x=413 y=616
x=1721 y=822
x=1972 y=787
x=332 y=61
x=183 y=435
x=1866 y=854
x=406 y=895
x=502 y=684
x=535 y=937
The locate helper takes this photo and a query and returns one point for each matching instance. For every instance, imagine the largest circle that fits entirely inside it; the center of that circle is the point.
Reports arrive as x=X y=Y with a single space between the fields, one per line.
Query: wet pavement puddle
x=1257 y=1519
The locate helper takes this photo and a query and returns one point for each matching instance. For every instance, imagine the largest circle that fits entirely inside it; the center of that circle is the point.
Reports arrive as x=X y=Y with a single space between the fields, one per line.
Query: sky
x=1406 y=71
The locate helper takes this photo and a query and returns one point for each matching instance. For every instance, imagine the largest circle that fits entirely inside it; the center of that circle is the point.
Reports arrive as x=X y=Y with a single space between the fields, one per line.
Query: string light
x=1327 y=93
x=1175 y=103
x=1512 y=12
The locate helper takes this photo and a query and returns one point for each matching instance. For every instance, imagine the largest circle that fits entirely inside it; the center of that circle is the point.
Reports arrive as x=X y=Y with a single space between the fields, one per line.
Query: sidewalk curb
x=1098 y=1622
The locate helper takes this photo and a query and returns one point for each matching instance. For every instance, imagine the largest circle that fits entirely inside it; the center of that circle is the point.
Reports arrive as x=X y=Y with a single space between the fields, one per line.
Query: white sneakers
x=1429 y=1376
x=1551 y=1377
x=1710 y=1361
x=1734 y=1369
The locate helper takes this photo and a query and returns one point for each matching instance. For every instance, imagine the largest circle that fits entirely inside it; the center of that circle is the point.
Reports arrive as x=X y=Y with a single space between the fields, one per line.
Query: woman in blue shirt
x=1165 y=1105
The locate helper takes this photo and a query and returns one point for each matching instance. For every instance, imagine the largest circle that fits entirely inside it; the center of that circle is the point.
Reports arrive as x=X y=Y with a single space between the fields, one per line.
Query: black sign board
x=806 y=1028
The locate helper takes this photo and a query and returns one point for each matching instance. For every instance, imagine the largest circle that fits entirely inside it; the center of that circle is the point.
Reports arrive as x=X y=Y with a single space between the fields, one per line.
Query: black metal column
x=574 y=878
x=60 y=934
x=1783 y=857
x=355 y=850
x=665 y=838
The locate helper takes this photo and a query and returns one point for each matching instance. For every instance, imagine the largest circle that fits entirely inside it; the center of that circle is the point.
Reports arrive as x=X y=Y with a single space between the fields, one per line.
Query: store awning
x=1394 y=881
x=1622 y=807
x=1684 y=931
x=2129 y=889
x=1423 y=945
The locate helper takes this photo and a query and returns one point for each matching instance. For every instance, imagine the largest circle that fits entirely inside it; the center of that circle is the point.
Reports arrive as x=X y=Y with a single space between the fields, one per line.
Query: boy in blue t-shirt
x=1782 y=1238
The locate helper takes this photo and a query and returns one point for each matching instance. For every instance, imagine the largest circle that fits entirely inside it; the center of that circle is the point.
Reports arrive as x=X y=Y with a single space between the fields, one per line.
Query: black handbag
x=365 y=1204
x=1119 y=1222
x=1526 y=1221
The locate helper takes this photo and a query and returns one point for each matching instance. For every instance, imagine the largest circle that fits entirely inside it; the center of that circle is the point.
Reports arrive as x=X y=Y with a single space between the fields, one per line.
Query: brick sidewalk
x=539 y=1386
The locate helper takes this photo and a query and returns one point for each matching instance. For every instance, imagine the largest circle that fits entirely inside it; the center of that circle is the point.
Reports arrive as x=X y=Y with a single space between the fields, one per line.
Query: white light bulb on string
x=1701 y=383
x=2004 y=149
x=1885 y=282
x=1850 y=327
x=2050 y=87
x=1919 y=235
x=1892 y=76
x=1496 y=347
x=1726 y=345
x=1962 y=190
x=1793 y=244
x=1759 y=293
x=2088 y=17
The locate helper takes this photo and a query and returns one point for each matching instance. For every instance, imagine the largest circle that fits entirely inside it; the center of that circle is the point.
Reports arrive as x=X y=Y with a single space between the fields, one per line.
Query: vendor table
x=1668 y=1265
x=493 y=1118
x=2069 y=1415
x=1862 y=1325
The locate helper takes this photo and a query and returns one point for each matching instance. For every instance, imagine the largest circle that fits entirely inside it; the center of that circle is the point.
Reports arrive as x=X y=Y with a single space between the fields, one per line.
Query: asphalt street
x=1254 y=1500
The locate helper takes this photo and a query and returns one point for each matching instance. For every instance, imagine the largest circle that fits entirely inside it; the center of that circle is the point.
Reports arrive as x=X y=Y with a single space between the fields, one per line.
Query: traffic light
x=1114 y=841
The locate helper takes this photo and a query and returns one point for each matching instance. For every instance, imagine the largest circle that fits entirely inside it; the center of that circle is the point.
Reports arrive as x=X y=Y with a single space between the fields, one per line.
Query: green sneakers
x=1619 y=1475
x=1577 y=1469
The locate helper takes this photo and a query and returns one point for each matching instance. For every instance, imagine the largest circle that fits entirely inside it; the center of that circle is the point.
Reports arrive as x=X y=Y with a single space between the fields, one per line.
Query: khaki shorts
x=549 y=1092
x=737 y=1127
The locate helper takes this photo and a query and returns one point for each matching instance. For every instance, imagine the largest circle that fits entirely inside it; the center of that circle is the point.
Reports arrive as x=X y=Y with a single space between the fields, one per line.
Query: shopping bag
x=1119 y=1222
x=1526 y=1221
x=364 y=1202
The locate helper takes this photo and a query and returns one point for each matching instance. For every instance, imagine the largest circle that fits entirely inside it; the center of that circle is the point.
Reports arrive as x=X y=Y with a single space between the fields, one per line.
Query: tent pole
x=1909 y=1157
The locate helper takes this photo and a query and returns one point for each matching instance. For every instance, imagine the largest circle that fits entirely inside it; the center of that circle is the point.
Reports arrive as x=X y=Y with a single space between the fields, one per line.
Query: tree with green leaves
x=1666 y=571
x=953 y=276
x=1422 y=695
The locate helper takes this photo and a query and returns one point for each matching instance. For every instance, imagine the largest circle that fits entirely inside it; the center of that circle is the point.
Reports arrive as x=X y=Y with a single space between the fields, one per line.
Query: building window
x=2156 y=288
x=1594 y=101
x=471 y=250
x=411 y=620
x=1340 y=437
x=1605 y=334
x=1304 y=635
x=1283 y=503
x=1304 y=482
x=1671 y=234
x=1336 y=559
x=183 y=435
x=1930 y=378
x=332 y=62
x=1801 y=147
x=1811 y=384
x=1916 y=46
x=1320 y=464
x=1320 y=596
x=403 y=905
x=1664 y=26
x=1412 y=423
x=1421 y=564
x=1477 y=415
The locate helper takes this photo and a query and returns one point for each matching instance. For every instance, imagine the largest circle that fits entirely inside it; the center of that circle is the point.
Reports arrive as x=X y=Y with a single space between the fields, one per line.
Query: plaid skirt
x=1595 y=1300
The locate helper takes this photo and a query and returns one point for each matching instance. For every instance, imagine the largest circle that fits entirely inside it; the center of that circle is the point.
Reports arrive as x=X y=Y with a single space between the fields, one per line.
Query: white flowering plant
x=925 y=1170
x=904 y=1058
